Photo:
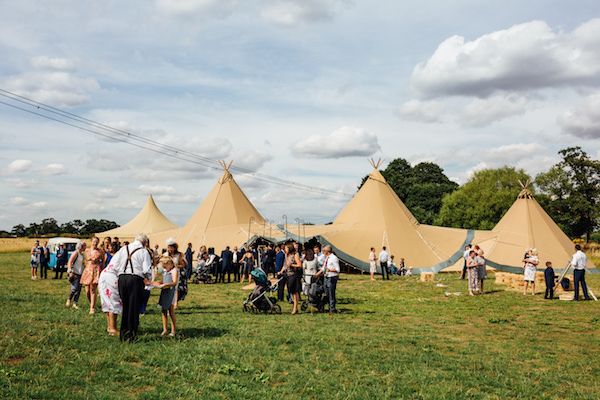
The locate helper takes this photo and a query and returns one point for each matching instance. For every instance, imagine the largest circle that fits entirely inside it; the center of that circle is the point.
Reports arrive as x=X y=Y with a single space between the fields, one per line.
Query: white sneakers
x=75 y=306
x=68 y=303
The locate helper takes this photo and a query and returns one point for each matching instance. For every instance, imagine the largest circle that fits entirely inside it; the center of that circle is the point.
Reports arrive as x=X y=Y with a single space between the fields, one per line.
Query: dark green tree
x=19 y=230
x=483 y=200
x=572 y=189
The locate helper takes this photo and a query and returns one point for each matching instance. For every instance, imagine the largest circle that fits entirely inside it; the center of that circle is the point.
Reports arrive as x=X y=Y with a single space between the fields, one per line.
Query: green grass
x=396 y=339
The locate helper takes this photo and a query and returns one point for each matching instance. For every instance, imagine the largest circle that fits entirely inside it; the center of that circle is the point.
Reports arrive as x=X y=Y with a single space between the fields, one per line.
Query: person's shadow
x=185 y=334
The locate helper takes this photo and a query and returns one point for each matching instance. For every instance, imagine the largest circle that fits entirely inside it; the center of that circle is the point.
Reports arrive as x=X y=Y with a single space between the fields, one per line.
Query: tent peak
x=375 y=164
x=226 y=171
x=525 y=192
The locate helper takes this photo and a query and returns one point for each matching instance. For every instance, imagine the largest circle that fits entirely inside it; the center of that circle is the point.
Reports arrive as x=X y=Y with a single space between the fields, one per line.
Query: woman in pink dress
x=94 y=260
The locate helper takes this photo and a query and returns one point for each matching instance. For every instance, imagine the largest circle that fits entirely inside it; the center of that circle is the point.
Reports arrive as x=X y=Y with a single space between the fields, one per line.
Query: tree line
x=569 y=191
x=51 y=227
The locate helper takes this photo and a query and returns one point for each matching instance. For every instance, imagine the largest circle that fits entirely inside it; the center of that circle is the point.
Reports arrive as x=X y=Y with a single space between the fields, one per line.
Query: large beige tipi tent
x=526 y=225
x=224 y=218
x=149 y=220
x=377 y=217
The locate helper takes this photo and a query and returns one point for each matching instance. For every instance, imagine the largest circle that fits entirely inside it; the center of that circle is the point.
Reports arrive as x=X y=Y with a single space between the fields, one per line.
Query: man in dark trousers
x=237 y=262
x=226 y=265
x=579 y=262
x=189 y=259
x=44 y=261
x=549 y=278
x=133 y=265
x=62 y=256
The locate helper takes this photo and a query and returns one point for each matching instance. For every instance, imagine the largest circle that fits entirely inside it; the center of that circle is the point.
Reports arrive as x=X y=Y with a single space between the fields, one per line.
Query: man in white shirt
x=331 y=269
x=133 y=264
x=319 y=256
x=579 y=263
x=383 y=262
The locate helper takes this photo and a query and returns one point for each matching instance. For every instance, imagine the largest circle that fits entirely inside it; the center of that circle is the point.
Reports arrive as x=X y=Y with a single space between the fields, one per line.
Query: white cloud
x=511 y=153
x=107 y=193
x=583 y=121
x=94 y=207
x=18 y=166
x=52 y=82
x=521 y=58
x=343 y=142
x=22 y=183
x=480 y=112
x=294 y=12
x=39 y=204
x=195 y=8
x=19 y=201
x=422 y=111
x=157 y=189
x=177 y=198
x=54 y=169
x=56 y=63
x=252 y=160
x=57 y=88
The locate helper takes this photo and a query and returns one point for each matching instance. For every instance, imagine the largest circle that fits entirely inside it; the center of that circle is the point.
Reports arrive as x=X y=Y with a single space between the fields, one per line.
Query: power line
x=120 y=135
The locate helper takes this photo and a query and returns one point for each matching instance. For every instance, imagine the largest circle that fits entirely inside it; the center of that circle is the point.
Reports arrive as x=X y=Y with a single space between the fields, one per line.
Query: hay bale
x=566 y=296
x=427 y=277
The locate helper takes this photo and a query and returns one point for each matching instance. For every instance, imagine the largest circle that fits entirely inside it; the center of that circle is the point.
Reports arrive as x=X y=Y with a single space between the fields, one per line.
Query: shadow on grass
x=184 y=334
x=204 y=310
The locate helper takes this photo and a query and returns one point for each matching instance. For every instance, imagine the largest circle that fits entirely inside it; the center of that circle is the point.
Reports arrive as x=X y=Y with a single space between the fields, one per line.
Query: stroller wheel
x=276 y=309
x=304 y=306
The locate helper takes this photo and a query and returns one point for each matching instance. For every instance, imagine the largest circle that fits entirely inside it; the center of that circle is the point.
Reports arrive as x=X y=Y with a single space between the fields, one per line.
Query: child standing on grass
x=549 y=277
x=167 y=294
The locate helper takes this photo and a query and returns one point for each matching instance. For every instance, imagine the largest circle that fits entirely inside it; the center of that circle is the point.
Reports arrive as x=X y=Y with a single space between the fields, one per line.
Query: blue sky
x=304 y=90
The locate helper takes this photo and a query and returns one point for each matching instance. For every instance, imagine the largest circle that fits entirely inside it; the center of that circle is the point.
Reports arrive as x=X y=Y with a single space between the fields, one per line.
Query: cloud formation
x=346 y=141
x=18 y=166
x=54 y=169
x=294 y=12
x=583 y=121
x=521 y=58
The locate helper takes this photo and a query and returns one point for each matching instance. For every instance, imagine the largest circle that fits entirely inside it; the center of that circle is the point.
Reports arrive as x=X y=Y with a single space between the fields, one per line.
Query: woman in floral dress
x=94 y=260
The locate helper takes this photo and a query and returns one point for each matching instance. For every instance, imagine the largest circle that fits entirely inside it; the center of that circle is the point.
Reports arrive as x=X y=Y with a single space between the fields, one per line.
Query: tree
x=572 y=187
x=19 y=230
x=48 y=226
x=94 y=226
x=421 y=187
x=483 y=200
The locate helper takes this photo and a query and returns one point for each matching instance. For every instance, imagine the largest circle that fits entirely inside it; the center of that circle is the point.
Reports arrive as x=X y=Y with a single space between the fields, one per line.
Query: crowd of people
x=387 y=264
x=123 y=275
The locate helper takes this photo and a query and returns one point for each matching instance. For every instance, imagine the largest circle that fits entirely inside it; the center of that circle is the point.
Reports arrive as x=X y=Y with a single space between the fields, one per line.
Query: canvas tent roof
x=149 y=220
x=224 y=218
x=376 y=217
x=527 y=225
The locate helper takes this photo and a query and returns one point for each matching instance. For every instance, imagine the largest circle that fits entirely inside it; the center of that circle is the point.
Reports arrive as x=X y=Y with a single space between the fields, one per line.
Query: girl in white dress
x=531 y=261
x=108 y=285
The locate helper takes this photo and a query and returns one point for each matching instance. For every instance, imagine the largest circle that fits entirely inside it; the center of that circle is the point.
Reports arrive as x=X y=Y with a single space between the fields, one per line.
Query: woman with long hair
x=94 y=261
x=293 y=268
x=180 y=264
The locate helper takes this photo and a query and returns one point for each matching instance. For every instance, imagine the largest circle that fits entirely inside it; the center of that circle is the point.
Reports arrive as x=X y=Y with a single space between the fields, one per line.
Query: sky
x=303 y=90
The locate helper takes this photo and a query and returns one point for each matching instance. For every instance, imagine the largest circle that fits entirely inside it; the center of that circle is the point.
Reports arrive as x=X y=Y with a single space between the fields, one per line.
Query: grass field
x=395 y=339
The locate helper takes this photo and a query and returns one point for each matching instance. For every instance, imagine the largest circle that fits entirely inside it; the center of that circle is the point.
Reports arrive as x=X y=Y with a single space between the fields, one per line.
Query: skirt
x=481 y=272
x=473 y=279
x=108 y=286
x=90 y=275
x=530 y=273
x=295 y=282
x=166 y=298
x=372 y=267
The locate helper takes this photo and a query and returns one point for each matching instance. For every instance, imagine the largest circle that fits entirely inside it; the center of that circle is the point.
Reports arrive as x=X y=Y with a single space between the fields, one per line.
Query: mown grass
x=395 y=339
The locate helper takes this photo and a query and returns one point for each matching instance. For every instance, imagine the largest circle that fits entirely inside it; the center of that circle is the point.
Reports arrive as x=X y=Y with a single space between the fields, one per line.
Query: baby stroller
x=203 y=275
x=259 y=300
x=317 y=299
